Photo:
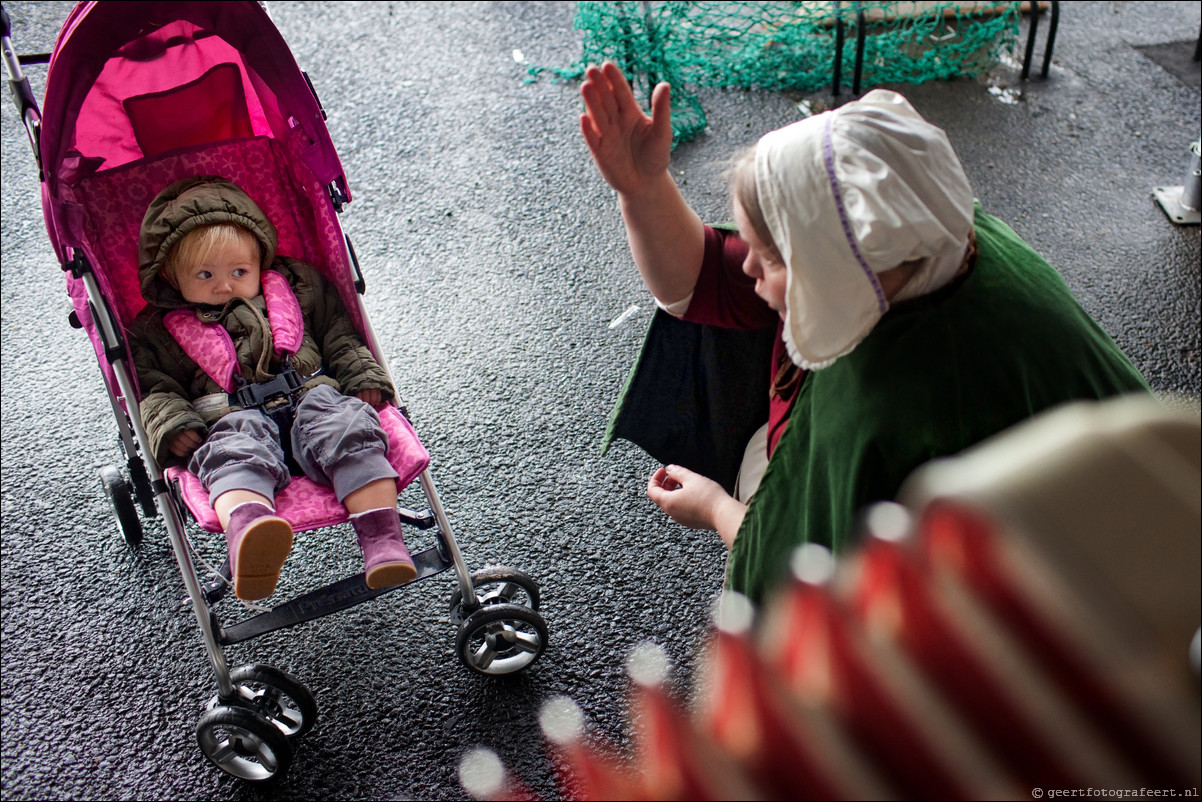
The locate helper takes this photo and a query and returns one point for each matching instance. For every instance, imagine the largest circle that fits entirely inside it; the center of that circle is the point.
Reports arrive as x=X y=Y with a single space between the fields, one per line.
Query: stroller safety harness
x=211 y=347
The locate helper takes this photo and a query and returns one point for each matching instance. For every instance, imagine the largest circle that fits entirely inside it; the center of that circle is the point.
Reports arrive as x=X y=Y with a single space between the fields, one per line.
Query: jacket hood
x=183 y=207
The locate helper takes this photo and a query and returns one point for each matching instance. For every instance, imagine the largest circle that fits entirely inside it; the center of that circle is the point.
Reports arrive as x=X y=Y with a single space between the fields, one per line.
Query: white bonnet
x=851 y=193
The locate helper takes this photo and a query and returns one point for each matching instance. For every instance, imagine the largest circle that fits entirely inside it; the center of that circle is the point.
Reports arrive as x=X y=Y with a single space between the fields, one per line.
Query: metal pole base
x=1182 y=204
x=1169 y=199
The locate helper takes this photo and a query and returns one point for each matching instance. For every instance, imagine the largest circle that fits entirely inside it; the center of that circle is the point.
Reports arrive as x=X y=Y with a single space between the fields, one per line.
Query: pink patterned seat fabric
x=304 y=503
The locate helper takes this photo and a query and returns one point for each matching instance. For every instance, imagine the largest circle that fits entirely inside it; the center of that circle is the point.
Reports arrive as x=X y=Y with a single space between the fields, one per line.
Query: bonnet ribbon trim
x=828 y=155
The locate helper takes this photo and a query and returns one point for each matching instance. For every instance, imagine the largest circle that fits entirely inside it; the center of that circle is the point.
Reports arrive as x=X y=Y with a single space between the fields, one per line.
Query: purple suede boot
x=259 y=542
x=386 y=560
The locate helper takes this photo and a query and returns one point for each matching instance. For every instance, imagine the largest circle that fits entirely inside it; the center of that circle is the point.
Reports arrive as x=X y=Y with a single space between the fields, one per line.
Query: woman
x=910 y=323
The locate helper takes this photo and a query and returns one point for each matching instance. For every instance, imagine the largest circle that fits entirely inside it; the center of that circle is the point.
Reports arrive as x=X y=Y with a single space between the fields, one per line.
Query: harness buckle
x=276 y=398
x=269 y=395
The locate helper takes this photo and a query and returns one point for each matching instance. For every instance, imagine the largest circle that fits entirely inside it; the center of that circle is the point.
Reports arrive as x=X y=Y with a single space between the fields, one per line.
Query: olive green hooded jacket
x=170 y=382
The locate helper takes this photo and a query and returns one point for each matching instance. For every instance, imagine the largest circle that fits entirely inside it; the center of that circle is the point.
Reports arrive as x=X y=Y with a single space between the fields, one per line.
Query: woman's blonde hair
x=201 y=243
x=743 y=189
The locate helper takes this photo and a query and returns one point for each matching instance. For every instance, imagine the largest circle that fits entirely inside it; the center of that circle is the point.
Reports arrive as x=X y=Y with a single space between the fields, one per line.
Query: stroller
x=139 y=95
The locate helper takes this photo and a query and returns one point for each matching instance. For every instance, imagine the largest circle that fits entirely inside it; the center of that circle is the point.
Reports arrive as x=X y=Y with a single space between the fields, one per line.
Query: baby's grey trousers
x=337 y=441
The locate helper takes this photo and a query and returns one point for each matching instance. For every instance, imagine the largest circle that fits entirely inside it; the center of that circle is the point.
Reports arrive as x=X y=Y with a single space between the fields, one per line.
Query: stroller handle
x=23 y=97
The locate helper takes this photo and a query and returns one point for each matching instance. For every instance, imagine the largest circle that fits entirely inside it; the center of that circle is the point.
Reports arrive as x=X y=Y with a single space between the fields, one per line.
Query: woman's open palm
x=629 y=148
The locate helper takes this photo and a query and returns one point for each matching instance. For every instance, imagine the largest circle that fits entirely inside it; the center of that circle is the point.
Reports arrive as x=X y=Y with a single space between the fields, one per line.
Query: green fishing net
x=785 y=45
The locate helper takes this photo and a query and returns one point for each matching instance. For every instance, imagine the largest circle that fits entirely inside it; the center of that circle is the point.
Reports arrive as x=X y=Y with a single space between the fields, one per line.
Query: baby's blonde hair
x=201 y=243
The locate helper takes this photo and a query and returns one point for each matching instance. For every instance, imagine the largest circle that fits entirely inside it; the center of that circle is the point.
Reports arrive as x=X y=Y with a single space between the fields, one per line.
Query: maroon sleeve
x=724 y=294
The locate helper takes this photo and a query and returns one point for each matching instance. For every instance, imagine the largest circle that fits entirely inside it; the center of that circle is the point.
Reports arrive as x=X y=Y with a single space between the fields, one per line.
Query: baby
x=224 y=312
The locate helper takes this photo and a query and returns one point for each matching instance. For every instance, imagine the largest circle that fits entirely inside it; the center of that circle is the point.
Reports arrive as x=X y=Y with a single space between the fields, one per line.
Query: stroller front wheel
x=277 y=697
x=497 y=585
x=243 y=744
x=117 y=490
x=501 y=639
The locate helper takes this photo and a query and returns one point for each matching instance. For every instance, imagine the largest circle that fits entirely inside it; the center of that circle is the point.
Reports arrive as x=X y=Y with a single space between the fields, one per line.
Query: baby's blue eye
x=204 y=274
x=240 y=272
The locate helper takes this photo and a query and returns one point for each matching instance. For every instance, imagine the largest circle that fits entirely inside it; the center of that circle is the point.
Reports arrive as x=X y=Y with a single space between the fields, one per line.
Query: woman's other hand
x=695 y=501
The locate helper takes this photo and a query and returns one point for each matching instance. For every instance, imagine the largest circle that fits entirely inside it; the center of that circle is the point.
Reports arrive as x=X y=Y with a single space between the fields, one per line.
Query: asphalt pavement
x=503 y=293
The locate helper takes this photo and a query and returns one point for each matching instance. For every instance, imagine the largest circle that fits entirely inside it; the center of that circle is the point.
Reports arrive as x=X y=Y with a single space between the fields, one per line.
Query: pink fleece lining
x=283 y=313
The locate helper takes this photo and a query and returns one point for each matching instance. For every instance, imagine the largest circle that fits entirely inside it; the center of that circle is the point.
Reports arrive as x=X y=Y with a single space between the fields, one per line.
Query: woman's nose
x=751 y=266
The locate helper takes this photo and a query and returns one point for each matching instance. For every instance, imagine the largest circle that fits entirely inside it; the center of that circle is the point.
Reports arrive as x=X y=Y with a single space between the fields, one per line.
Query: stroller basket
x=139 y=95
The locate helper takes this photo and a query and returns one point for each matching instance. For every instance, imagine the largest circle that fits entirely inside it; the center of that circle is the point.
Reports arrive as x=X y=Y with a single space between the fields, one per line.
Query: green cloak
x=936 y=375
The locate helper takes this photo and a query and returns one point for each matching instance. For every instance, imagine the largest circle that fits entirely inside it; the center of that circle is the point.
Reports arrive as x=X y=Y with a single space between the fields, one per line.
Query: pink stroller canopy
x=141 y=94
x=133 y=80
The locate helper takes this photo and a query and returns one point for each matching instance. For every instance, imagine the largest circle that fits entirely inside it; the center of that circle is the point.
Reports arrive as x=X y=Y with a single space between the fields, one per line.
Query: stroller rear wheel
x=277 y=697
x=117 y=489
x=243 y=744
x=501 y=639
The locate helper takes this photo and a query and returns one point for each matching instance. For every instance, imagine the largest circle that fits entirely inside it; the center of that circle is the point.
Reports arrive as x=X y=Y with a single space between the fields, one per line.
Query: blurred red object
x=986 y=677
x=1079 y=533
x=789 y=746
x=595 y=769
x=890 y=711
x=1024 y=622
x=484 y=777
x=675 y=758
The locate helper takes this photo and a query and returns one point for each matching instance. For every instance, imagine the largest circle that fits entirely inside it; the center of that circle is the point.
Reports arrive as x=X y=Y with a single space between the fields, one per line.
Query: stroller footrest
x=421 y=520
x=323 y=601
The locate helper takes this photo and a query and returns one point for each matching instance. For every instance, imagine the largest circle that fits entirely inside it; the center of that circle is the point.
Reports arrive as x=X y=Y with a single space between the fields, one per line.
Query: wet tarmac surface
x=502 y=291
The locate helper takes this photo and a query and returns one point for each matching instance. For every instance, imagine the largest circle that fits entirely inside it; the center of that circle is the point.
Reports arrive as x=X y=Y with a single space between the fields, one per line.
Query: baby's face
x=224 y=275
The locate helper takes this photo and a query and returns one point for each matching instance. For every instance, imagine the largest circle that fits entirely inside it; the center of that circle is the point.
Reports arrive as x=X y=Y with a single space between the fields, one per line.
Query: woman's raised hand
x=630 y=149
x=632 y=152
